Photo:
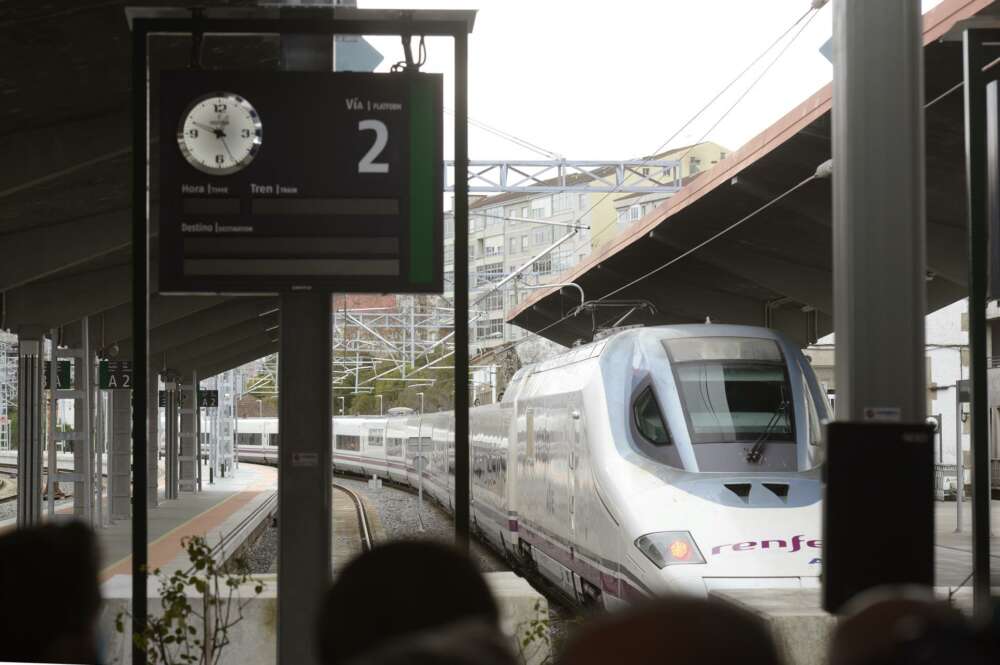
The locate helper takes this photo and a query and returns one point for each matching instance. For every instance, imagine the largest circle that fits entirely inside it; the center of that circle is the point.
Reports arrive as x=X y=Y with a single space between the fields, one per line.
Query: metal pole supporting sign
x=415 y=266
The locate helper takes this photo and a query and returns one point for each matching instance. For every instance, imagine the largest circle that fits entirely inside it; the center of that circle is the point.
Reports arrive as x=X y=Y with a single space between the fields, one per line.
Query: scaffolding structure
x=8 y=387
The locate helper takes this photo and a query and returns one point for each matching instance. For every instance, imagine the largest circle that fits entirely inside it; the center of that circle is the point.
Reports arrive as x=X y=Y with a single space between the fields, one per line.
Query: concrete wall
x=253 y=639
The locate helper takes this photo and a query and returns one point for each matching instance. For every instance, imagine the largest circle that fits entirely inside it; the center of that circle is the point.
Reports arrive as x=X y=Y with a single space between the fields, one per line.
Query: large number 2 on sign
x=368 y=163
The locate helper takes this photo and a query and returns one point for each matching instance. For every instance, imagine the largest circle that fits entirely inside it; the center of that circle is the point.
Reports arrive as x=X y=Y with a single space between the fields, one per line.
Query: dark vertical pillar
x=304 y=471
x=29 y=430
x=878 y=104
x=461 y=292
x=170 y=438
x=187 y=445
x=305 y=462
x=975 y=170
x=140 y=329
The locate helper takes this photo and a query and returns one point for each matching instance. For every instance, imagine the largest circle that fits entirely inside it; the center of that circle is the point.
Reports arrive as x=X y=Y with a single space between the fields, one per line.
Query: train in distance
x=656 y=460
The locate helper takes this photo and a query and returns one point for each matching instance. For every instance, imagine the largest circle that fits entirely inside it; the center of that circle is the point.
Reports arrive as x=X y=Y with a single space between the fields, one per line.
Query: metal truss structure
x=8 y=386
x=636 y=176
x=403 y=335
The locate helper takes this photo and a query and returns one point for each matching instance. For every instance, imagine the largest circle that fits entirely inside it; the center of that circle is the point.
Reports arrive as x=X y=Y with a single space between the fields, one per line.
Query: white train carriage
x=257 y=440
x=666 y=459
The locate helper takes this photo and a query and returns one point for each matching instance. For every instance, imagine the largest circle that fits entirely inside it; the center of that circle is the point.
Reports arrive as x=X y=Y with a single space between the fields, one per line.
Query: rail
x=232 y=541
x=364 y=526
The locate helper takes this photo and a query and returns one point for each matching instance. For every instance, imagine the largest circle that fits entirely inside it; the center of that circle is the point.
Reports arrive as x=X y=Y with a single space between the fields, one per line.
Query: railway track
x=364 y=525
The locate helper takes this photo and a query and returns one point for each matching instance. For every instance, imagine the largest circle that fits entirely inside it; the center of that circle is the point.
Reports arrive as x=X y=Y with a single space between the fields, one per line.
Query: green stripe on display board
x=421 y=181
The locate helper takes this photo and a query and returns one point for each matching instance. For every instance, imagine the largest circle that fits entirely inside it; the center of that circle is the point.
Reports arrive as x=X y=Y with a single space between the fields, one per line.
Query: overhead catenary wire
x=677 y=258
x=512 y=138
x=823 y=171
x=808 y=14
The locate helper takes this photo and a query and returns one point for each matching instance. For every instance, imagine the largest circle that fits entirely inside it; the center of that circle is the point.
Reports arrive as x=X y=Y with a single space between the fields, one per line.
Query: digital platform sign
x=277 y=181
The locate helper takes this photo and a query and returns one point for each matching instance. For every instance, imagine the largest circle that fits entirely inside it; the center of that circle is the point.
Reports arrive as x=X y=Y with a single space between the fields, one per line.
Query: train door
x=575 y=439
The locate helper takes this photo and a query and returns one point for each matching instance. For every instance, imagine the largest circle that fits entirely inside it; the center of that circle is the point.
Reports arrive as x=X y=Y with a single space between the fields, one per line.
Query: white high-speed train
x=664 y=459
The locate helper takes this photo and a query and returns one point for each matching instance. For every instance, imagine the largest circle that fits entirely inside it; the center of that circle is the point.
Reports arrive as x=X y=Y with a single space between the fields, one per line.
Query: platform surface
x=211 y=513
x=953 y=551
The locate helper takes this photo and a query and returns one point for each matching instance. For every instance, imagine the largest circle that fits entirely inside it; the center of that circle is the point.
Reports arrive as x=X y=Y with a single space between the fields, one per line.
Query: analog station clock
x=219 y=133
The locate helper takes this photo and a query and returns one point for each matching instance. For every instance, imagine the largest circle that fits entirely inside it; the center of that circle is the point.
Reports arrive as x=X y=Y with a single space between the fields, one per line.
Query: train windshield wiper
x=753 y=454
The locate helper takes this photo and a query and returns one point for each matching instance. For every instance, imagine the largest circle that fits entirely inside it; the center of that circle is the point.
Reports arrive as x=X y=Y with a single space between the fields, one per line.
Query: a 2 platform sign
x=115 y=374
x=272 y=181
x=207 y=399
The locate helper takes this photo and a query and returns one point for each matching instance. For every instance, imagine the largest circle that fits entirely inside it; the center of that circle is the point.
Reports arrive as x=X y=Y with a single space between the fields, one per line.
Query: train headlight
x=669 y=548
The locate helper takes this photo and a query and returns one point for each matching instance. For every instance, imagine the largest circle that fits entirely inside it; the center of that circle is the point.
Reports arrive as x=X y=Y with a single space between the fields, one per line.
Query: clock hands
x=219 y=134
x=226 y=146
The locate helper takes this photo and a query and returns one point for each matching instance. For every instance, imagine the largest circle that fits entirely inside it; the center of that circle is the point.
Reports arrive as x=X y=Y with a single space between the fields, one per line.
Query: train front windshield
x=734 y=389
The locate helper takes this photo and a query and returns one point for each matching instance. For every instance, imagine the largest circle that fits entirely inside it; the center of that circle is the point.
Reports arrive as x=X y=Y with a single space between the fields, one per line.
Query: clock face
x=219 y=133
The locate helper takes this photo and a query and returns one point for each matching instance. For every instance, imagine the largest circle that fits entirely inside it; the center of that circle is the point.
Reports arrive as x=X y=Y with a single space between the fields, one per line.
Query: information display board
x=64 y=379
x=272 y=181
x=207 y=399
x=115 y=375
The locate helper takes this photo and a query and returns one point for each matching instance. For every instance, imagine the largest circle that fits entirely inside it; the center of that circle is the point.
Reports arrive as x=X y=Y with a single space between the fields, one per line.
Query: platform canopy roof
x=775 y=268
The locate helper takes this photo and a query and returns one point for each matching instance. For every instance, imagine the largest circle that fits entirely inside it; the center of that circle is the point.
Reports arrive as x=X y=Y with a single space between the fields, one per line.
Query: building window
x=542 y=266
x=524 y=243
x=541 y=207
x=492 y=301
x=694 y=164
x=513 y=245
x=489 y=329
x=489 y=273
x=562 y=201
x=494 y=216
x=631 y=214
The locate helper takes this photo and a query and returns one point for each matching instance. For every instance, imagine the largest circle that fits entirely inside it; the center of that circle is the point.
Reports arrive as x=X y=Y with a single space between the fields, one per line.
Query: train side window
x=649 y=420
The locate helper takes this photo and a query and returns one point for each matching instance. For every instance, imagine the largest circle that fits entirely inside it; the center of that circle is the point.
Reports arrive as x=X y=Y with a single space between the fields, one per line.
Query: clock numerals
x=220 y=133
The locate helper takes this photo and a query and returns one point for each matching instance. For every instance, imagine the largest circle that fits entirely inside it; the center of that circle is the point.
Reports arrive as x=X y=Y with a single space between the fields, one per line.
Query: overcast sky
x=615 y=80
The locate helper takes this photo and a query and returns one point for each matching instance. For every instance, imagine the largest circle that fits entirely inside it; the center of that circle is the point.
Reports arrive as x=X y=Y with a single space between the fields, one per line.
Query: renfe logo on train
x=794 y=545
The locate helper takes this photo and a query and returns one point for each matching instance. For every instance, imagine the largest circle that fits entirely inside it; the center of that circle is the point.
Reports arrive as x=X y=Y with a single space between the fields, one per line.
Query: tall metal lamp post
x=421 y=395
